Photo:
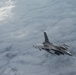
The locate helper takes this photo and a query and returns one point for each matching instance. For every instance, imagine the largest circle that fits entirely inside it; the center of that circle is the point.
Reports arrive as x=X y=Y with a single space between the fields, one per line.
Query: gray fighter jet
x=51 y=48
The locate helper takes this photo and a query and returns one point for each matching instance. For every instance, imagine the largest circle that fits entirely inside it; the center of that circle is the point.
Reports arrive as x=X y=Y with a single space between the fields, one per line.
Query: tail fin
x=46 y=37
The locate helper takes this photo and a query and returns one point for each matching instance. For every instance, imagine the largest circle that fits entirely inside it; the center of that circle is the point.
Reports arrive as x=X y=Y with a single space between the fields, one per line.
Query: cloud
x=6 y=11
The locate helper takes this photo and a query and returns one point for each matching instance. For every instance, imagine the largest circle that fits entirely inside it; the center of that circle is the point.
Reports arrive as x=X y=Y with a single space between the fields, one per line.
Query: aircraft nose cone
x=69 y=53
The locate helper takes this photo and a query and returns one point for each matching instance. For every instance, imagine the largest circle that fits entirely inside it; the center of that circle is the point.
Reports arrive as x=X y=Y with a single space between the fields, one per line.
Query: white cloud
x=6 y=11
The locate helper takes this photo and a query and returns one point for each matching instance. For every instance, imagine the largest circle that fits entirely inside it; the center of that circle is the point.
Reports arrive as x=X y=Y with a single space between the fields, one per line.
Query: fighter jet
x=52 y=48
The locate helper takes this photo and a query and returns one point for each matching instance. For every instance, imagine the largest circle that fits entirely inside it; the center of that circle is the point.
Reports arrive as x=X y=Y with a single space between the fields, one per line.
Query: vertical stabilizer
x=46 y=37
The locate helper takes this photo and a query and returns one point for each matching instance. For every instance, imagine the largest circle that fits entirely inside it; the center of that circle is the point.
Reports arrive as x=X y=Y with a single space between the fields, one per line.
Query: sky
x=22 y=23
